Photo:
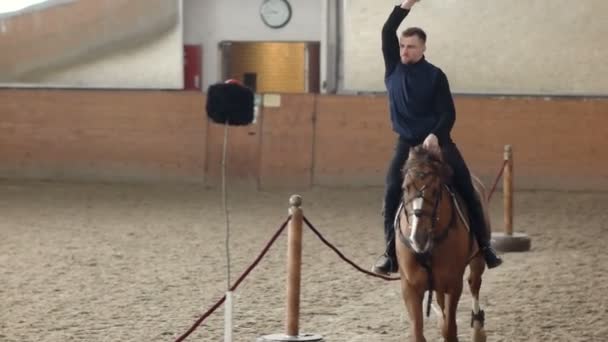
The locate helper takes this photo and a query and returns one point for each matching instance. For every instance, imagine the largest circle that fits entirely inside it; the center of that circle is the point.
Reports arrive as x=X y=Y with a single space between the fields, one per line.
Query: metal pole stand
x=294 y=266
x=509 y=241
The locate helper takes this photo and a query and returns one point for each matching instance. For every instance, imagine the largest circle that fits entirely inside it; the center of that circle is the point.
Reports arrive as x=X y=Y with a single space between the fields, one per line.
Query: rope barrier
x=238 y=282
x=502 y=170
x=324 y=240
x=341 y=255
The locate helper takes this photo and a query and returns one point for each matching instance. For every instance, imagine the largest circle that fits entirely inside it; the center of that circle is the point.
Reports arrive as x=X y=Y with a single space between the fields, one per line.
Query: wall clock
x=275 y=13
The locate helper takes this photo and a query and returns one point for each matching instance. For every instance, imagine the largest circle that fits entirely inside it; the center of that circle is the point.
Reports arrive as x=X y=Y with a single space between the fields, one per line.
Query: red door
x=192 y=67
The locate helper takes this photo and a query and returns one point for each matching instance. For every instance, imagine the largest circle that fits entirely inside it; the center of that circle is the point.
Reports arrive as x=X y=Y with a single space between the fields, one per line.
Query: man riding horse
x=422 y=112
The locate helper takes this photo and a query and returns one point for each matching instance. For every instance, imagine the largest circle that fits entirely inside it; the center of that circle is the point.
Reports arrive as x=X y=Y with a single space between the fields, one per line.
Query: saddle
x=463 y=211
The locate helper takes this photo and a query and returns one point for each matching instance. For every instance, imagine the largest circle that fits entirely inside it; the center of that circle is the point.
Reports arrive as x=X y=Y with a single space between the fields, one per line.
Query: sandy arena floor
x=98 y=262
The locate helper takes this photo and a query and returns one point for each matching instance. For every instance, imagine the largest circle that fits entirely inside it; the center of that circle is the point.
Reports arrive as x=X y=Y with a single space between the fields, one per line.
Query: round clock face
x=275 y=13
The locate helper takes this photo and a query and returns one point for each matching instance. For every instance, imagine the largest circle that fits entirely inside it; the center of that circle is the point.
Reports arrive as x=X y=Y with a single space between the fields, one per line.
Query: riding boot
x=387 y=262
x=478 y=227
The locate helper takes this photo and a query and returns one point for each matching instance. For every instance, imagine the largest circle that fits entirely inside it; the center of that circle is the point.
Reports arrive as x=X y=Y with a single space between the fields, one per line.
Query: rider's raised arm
x=390 y=42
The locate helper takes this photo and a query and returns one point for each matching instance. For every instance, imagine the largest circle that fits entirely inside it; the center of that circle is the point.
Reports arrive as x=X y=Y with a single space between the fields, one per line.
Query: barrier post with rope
x=294 y=267
x=506 y=242
x=509 y=241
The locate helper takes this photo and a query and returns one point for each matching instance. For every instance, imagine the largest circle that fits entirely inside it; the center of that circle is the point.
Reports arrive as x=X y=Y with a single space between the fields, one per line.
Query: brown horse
x=434 y=246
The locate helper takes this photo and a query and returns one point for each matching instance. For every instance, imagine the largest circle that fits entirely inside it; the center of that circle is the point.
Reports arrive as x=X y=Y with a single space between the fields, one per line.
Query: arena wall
x=296 y=142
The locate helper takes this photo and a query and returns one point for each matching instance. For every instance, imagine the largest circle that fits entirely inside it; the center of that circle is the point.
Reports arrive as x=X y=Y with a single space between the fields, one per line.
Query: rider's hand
x=431 y=143
x=408 y=4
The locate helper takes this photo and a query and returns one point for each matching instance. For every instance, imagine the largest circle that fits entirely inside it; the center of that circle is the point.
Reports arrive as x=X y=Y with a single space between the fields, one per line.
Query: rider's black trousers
x=461 y=182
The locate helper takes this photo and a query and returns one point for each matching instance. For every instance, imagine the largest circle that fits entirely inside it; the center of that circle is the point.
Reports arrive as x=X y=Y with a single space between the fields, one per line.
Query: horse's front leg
x=450 y=330
x=412 y=297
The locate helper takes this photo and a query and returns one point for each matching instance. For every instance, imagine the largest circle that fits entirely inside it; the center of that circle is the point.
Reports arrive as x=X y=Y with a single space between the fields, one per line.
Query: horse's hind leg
x=477 y=267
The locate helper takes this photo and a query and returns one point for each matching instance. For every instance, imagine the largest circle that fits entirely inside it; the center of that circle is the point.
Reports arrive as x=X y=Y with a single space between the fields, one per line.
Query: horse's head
x=424 y=175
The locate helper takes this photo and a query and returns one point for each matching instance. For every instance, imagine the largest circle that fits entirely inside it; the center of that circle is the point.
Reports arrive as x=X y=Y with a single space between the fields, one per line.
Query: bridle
x=420 y=194
x=434 y=214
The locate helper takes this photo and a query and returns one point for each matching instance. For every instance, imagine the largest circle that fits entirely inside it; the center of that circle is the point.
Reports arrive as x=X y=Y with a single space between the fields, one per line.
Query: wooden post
x=294 y=265
x=508 y=190
x=509 y=241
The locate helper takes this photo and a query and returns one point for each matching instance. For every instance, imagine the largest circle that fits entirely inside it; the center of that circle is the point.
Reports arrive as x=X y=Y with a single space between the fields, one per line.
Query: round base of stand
x=282 y=337
x=517 y=242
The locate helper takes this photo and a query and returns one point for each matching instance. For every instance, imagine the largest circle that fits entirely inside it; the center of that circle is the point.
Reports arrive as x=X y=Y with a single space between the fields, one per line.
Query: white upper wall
x=521 y=47
x=208 y=22
x=155 y=65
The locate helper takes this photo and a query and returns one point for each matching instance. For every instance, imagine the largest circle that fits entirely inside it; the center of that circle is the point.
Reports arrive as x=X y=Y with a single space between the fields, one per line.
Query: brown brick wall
x=287 y=143
x=243 y=153
x=557 y=142
x=323 y=140
x=109 y=135
x=353 y=140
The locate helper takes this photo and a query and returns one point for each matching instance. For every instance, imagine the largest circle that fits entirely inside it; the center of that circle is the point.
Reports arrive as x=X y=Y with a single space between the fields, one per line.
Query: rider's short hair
x=415 y=31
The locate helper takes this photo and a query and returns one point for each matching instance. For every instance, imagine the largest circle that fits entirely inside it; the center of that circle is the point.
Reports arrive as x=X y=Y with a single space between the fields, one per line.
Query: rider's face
x=411 y=49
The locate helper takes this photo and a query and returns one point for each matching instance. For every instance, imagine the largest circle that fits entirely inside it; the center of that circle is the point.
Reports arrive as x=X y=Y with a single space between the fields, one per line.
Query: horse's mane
x=420 y=156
